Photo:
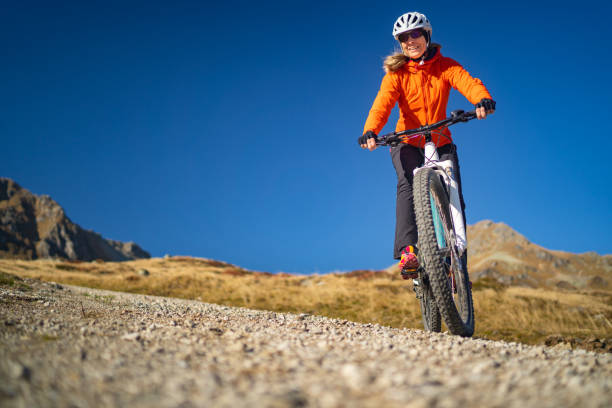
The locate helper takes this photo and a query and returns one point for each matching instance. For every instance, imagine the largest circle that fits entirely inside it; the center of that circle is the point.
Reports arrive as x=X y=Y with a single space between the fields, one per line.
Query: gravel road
x=66 y=346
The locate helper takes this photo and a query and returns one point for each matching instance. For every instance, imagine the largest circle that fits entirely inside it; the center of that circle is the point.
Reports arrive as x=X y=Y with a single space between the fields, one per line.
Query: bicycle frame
x=445 y=170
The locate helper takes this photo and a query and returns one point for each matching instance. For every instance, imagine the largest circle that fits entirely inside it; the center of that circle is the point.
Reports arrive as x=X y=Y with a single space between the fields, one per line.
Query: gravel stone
x=126 y=350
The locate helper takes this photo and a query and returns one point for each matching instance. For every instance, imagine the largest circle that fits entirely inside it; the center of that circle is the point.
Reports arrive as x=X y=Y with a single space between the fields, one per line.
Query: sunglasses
x=414 y=34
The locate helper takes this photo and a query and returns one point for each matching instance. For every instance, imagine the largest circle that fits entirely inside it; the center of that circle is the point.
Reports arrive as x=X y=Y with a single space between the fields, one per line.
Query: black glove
x=367 y=135
x=488 y=104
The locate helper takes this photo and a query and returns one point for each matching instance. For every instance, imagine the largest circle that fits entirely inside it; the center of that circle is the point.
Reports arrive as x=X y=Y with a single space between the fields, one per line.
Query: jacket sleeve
x=383 y=104
x=472 y=88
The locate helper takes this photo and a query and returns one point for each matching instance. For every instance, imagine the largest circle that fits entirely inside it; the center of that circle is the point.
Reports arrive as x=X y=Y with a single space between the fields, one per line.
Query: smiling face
x=413 y=47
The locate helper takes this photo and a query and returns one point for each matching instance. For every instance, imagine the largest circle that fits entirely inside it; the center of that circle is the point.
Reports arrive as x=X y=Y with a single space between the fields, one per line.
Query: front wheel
x=444 y=267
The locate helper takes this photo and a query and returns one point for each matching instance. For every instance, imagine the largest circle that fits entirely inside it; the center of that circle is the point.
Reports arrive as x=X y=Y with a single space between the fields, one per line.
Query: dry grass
x=513 y=313
x=531 y=315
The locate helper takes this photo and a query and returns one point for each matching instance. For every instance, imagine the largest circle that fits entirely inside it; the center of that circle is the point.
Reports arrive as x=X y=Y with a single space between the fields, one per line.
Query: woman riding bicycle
x=419 y=80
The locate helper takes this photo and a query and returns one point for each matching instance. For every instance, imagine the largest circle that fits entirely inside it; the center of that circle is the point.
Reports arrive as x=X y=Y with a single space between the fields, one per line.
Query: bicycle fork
x=446 y=170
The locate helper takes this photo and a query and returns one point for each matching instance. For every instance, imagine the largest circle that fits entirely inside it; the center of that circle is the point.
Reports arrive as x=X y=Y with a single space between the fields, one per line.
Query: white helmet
x=411 y=21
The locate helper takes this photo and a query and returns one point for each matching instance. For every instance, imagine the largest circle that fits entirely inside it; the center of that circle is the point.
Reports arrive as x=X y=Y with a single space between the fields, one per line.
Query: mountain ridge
x=36 y=226
x=501 y=253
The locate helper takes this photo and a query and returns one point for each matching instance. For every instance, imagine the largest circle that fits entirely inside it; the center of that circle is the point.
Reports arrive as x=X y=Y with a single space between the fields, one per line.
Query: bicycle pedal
x=409 y=274
x=420 y=271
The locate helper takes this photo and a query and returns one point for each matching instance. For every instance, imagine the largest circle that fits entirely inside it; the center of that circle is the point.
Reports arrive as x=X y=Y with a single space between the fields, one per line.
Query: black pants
x=405 y=159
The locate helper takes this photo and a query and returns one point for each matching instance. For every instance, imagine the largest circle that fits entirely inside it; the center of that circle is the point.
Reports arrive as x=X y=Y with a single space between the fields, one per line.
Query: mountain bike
x=443 y=286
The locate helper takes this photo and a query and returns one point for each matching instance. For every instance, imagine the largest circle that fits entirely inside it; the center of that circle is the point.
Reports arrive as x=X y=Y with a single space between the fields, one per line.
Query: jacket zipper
x=426 y=99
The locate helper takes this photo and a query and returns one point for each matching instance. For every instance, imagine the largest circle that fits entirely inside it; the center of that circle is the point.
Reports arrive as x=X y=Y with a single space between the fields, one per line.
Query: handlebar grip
x=462 y=116
x=469 y=115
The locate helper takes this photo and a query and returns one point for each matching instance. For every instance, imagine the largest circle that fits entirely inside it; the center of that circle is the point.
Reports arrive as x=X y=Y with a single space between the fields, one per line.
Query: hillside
x=498 y=252
x=580 y=318
x=33 y=227
x=37 y=227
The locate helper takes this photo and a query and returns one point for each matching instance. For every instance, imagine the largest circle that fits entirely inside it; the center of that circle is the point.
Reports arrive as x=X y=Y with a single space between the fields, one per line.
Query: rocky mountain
x=33 y=227
x=498 y=252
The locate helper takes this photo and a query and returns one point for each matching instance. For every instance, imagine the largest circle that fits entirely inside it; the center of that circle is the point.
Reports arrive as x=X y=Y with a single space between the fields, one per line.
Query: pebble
x=131 y=336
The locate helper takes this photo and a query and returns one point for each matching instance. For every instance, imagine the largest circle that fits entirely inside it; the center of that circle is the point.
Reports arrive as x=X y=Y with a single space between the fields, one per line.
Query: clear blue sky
x=228 y=130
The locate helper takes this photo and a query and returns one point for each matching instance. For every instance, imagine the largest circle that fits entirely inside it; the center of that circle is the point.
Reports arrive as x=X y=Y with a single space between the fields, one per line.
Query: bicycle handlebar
x=395 y=138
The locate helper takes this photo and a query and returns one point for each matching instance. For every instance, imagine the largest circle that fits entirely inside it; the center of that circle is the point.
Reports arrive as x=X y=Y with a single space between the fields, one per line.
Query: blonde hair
x=394 y=62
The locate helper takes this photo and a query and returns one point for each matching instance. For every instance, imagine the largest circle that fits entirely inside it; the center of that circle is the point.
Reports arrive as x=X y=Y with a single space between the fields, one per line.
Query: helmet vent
x=411 y=21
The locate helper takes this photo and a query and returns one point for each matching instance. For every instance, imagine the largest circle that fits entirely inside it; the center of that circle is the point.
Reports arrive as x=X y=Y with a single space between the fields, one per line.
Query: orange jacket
x=421 y=92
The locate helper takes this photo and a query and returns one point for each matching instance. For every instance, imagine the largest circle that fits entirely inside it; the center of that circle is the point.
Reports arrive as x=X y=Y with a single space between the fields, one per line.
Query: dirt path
x=69 y=346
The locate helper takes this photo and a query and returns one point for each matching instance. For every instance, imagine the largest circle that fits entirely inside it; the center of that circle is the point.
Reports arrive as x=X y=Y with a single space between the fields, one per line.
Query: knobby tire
x=457 y=310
